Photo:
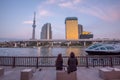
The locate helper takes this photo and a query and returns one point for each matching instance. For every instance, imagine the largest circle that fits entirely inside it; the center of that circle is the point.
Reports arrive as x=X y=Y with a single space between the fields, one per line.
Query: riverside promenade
x=43 y=68
x=49 y=73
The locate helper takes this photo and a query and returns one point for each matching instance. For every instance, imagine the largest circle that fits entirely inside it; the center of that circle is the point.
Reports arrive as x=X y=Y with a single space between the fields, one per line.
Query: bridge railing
x=83 y=61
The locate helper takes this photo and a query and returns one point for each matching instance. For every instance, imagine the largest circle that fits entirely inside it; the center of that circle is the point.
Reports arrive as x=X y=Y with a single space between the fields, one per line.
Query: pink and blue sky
x=101 y=17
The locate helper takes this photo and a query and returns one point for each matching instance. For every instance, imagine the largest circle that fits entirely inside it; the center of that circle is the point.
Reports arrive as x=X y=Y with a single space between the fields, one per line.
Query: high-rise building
x=34 y=25
x=71 y=25
x=80 y=29
x=46 y=32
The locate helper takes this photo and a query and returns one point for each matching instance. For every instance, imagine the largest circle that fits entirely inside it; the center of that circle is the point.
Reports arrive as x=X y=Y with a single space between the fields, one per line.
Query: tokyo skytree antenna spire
x=34 y=25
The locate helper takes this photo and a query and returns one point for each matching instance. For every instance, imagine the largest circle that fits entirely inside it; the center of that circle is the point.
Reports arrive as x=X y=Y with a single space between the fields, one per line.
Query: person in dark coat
x=59 y=62
x=72 y=63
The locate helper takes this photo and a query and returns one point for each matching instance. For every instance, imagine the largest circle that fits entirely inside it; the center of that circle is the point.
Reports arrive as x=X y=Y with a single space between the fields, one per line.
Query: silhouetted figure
x=59 y=62
x=72 y=63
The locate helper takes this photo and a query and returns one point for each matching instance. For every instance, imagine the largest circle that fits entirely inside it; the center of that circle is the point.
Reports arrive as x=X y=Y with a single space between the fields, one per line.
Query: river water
x=42 y=51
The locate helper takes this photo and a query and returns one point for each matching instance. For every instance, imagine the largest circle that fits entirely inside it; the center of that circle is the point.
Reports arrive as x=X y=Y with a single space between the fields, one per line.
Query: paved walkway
x=49 y=73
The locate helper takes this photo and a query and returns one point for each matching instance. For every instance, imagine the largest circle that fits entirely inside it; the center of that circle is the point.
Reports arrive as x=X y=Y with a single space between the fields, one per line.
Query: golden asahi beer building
x=71 y=25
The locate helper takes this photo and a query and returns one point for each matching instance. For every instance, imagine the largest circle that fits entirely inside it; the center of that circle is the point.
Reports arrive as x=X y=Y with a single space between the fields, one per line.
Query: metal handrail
x=49 y=61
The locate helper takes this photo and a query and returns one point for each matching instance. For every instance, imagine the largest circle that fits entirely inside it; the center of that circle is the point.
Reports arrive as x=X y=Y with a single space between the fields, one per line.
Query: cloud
x=44 y=13
x=66 y=4
x=69 y=3
x=101 y=11
x=28 y=22
x=50 y=1
x=106 y=14
x=112 y=14
x=77 y=1
x=47 y=7
x=43 y=9
x=109 y=12
x=62 y=1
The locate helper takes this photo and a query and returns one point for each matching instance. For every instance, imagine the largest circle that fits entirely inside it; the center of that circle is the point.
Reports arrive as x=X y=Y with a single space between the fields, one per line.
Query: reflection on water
x=42 y=51
x=75 y=50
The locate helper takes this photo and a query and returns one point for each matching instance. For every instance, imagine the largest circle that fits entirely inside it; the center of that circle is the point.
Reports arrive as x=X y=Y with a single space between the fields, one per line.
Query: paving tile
x=49 y=73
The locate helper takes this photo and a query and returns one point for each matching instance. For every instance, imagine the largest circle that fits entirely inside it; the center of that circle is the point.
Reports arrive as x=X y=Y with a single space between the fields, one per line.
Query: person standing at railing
x=59 y=62
x=72 y=63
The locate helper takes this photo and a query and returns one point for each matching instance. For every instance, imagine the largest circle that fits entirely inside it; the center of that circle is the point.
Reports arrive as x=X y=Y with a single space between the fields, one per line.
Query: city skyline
x=101 y=17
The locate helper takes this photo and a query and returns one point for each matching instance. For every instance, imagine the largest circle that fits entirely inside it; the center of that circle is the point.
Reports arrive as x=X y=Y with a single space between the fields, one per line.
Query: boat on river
x=103 y=49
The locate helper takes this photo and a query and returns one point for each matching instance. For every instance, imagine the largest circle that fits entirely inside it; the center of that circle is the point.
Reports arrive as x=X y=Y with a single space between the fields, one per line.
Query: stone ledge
x=63 y=75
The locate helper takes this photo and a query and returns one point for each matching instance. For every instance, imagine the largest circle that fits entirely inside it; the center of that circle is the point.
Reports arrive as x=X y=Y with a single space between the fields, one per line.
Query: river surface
x=42 y=51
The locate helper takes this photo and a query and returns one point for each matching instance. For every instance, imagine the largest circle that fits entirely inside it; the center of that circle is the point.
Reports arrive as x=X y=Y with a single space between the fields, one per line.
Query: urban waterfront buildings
x=74 y=31
x=86 y=35
x=71 y=26
x=46 y=32
x=80 y=29
x=34 y=26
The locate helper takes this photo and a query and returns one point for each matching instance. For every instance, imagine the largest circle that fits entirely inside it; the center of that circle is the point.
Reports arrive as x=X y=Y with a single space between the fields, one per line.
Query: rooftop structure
x=71 y=18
